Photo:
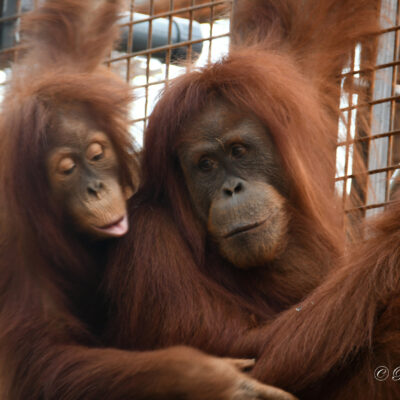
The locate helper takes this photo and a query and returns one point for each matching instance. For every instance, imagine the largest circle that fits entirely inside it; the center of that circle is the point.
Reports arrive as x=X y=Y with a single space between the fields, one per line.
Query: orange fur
x=175 y=288
x=52 y=310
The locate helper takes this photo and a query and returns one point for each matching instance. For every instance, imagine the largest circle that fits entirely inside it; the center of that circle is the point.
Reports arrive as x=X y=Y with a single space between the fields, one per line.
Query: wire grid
x=149 y=76
x=365 y=191
x=206 y=25
x=378 y=141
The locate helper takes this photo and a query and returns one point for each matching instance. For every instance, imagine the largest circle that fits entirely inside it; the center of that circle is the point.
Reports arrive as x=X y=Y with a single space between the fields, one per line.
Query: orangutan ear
x=129 y=191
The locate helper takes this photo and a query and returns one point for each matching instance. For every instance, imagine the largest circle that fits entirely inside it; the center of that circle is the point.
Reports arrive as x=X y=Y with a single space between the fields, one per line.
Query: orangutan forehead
x=221 y=123
x=70 y=126
x=217 y=114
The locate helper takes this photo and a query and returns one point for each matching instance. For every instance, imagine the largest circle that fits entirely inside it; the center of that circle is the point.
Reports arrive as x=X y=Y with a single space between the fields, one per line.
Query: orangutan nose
x=233 y=186
x=95 y=188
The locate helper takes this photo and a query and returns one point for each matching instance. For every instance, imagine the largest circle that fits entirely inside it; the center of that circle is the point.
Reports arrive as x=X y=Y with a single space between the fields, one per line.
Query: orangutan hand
x=198 y=376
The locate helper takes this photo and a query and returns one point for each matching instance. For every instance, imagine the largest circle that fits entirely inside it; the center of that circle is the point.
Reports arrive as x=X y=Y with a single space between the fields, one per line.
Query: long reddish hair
x=45 y=267
x=48 y=76
x=302 y=131
x=166 y=249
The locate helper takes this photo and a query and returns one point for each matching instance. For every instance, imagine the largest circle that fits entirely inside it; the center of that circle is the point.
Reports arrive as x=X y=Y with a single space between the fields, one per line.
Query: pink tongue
x=118 y=229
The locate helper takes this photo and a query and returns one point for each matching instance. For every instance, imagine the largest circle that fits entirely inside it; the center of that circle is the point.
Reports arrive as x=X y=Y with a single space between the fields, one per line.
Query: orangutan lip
x=116 y=228
x=112 y=223
x=244 y=229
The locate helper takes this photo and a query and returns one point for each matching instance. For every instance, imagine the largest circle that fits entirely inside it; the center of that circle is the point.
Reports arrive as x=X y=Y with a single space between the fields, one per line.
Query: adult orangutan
x=235 y=221
x=66 y=171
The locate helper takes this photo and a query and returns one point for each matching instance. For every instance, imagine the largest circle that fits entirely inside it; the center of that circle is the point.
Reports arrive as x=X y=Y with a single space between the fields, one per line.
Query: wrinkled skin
x=84 y=178
x=236 y=184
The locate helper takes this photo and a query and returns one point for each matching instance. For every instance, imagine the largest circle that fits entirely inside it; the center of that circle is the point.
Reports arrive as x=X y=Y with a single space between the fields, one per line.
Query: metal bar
x=372 y=103
x=368 y=207
x=190 y=36
x=129 y=43
x=392 y=106
x=381 y=112
x=348 y=130
x=370 y=69
x=183 y=10
x=166 y=47
x=370 y=172
x=149 y=41
x=211 y=33
x=169 y=53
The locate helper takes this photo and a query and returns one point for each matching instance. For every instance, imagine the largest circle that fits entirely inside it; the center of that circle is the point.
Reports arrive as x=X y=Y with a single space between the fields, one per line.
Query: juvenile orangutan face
x=83 y=172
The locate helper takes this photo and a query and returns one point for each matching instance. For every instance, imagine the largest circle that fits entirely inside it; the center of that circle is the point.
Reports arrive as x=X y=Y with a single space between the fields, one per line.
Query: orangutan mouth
x=116 y=228
x=245 y=228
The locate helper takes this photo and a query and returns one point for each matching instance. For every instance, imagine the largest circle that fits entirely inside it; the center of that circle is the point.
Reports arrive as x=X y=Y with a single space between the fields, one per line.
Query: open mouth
x=116 y=228
x=245 y=228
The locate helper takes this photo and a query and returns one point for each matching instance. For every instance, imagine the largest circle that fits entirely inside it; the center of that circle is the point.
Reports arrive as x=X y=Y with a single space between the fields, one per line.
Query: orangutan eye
x=95 y=152
x=238 y=150
x=66 y=166
x=206 y=164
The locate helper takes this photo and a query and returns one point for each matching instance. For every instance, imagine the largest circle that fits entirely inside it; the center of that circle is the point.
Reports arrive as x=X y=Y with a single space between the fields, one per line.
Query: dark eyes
x=238 y=150
x=206 y=165
x=95 y=152
x=97 y=157
x=66 y=166
x=69 y=171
